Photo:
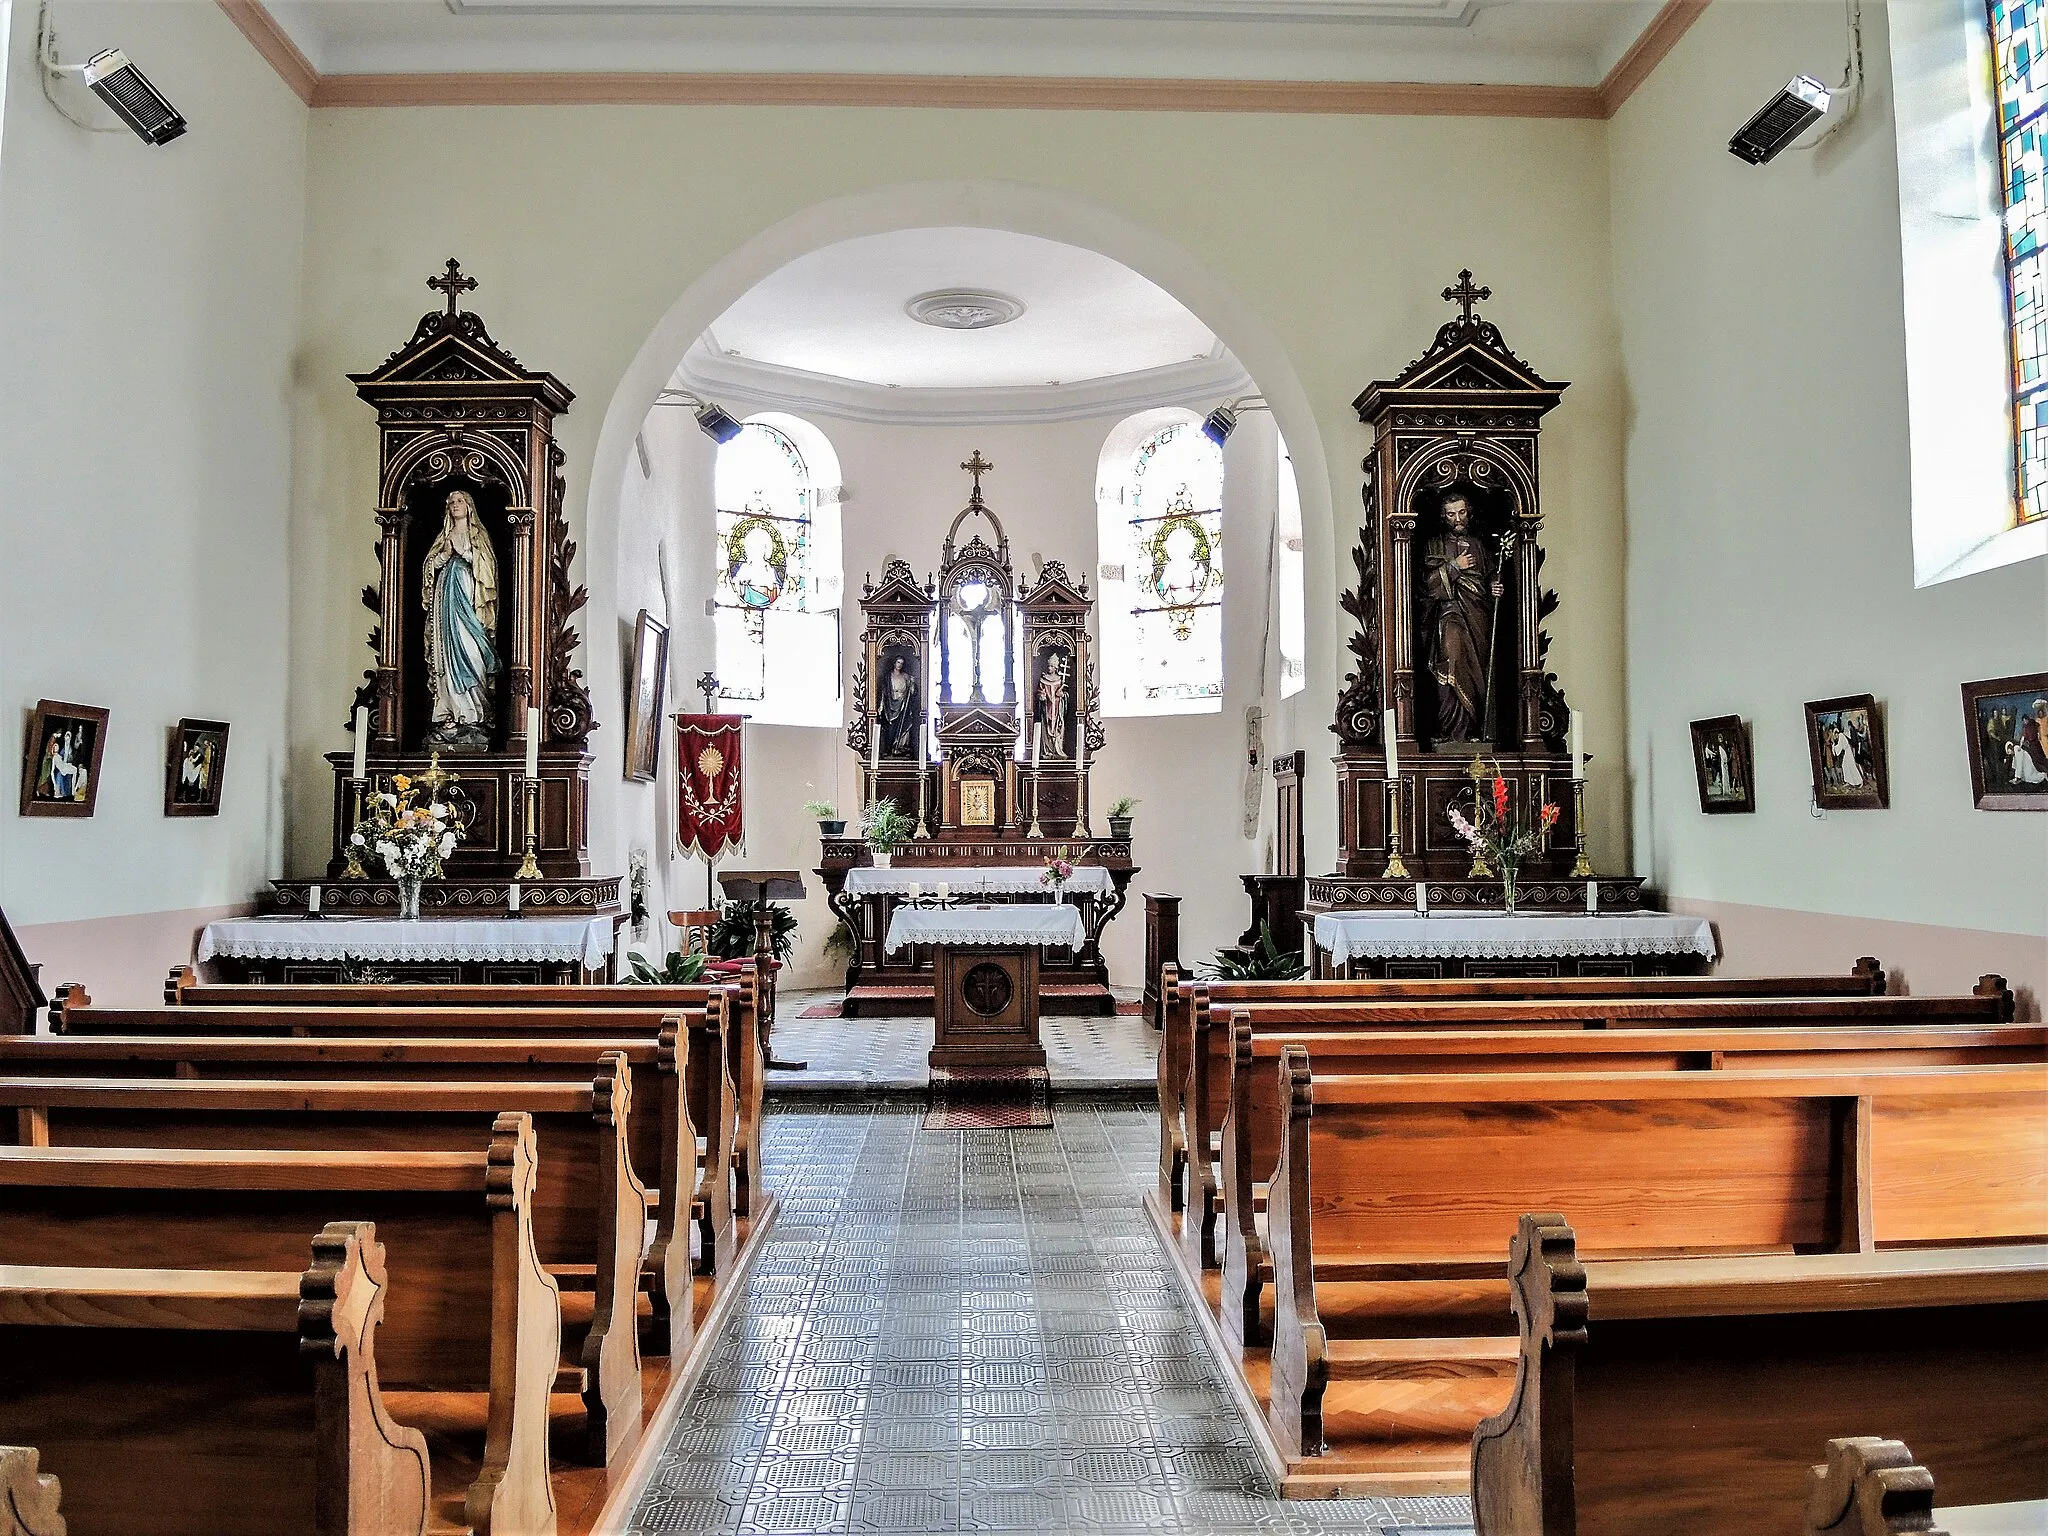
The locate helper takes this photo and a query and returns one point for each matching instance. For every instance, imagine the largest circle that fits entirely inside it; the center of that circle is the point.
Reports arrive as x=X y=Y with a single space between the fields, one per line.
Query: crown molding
x=743 y=386
x=1050 y=93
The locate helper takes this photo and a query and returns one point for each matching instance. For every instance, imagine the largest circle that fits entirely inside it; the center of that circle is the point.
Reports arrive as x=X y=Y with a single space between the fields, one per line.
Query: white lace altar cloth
x=1347 y=936
x=555 y=940
x=1039 y=924
x=992 y=880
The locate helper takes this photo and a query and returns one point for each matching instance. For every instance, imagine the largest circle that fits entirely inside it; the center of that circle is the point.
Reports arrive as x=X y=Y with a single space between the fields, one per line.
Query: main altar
x=472 y=686
x=976 y=714
x=1449 y=680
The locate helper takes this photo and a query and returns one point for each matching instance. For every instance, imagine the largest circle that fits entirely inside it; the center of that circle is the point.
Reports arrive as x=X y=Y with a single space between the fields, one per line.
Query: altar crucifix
x=991 y=766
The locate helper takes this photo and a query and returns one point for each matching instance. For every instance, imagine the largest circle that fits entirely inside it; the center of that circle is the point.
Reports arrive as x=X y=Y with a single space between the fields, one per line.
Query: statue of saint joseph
x=459 y=587
x=1461 y=580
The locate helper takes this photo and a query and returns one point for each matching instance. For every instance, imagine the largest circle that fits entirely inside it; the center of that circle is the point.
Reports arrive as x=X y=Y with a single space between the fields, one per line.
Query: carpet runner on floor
x=992 y=1099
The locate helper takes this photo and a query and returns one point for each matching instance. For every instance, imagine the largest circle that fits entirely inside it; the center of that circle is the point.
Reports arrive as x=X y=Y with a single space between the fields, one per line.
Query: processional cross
x=454 y=283
x=1464 y=295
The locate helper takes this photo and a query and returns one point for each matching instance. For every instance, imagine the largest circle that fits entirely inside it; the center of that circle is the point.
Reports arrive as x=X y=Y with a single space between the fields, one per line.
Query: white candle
x=533 y=743
x=874 y=748
x=1578 y=745
x=1422 y=898
x=512 y=898
x=944 y=890
x=1393 y=747
x=916 y=890
x=362 y=770
x=1037 y=742
x=1592 y=897
x=313 y=902
x=1081 y=751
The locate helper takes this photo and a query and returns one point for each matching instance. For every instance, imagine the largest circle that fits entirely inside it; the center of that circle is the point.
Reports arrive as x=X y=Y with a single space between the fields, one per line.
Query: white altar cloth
x=555 y=940
x=992 y=880
x=1049 y=923
x=1346 y=936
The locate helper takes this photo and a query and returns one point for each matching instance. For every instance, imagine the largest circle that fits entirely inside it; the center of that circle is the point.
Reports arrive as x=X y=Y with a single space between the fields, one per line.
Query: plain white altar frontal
x=584 y=941
x=1342 y=937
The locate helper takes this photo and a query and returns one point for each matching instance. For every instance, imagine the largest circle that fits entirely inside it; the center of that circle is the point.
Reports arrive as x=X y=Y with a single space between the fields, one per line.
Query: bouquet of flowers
x=1056 y=874
x=1497 y=837
x=412 y=839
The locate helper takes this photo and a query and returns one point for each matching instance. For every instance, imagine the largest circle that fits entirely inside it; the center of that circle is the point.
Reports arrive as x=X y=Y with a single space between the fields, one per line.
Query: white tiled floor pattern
x=890 y=1053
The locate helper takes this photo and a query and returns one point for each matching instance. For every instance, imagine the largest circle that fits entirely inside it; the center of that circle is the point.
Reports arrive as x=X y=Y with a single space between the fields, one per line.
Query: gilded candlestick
x=1583 y=869
x=1395 y=869
x=922 y=835
x=1033 y=830
x=529 y=869
x=352 y=862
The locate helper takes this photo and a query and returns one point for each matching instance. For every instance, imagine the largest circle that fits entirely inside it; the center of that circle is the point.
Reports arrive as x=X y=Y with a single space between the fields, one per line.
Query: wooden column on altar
x=469 y=479
x=944 y=654
x=1452 y=507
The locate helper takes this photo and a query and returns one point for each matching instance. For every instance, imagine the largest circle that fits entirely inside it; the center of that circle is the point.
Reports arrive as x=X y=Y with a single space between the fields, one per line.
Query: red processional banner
x=710 y=816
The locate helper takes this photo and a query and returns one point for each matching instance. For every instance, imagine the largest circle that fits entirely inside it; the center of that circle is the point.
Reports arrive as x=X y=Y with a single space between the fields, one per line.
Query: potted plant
x=1498 y=838
x=1265 y=961
x=1120 y=818
x=884 y=826
x=732 y=937
x=830 y=822
x=678 y=968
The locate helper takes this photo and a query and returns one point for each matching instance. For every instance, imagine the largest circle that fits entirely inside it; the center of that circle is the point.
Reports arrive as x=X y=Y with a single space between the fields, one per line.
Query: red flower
x=1549 y=817
x=1500 y=798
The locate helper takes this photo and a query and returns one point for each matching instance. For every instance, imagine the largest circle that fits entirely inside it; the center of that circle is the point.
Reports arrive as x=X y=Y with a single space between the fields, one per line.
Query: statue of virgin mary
x=459 y=587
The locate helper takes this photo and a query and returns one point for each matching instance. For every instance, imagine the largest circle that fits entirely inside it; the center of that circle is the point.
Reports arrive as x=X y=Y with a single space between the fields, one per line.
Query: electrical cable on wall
x=1852 y=78
x=46 y=57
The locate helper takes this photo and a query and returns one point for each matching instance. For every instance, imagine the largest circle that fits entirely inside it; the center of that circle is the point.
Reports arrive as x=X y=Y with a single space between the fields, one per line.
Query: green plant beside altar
x=410 y=837
x=678 y=968
x=1266 y=962
x=1120 y=817
x=1496 y=834
x=830 y=824
x=732 y=936
x=884 y=827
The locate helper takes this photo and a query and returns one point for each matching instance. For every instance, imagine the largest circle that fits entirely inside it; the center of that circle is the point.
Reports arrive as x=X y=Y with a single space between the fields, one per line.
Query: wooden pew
x=706 y=1056
x=28 y=1496
x=1391 y=1179
x=1221 y=1225
x=1205 y=1093
x=1184 y=999
x=1875 y=1487
x=468 y=1307
x=182 y=1402
x=663 y=1137
x=1687 y=1394
x=590 y=1211
x=440 y=1010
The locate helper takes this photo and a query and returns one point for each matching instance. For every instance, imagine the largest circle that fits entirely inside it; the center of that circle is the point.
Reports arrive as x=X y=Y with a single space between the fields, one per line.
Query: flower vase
x=1507 y=886
x=409 y=897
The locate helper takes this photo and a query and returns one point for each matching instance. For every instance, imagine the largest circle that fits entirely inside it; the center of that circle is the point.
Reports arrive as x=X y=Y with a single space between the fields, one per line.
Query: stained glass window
x=775 y=595
x=1161 y=611
x=2017 y=41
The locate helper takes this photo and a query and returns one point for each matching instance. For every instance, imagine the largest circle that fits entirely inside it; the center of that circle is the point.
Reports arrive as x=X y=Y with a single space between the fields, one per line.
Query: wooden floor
x=587 y=1499
x=1388 y=1438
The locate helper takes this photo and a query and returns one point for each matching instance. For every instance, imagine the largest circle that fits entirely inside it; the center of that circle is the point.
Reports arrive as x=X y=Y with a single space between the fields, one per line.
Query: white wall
x=148 y=312
x=1769 y=533
x=1330 y=236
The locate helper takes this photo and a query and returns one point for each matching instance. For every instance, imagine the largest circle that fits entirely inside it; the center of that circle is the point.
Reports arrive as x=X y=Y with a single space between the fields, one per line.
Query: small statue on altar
x=1053 y=681
x=1462 y=589
x=900 y=708
x=459 y=589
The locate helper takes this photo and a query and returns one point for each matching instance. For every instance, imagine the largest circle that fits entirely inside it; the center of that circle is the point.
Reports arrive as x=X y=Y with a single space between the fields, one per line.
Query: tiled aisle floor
x=891 y=1053
x=973 y=1331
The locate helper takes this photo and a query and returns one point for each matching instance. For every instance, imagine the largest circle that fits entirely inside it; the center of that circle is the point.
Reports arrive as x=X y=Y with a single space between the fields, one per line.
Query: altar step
x=1064 y=999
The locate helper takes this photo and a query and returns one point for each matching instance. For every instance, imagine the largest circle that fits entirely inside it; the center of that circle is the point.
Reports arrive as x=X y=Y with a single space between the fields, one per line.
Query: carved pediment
x=452 y=346
x=1469 y=356
x=899 y=586
x=1056 y=589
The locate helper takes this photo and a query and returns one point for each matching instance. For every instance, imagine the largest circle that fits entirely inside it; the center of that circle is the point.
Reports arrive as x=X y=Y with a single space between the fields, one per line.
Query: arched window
x=1288 y=576
x=776 y=587
x=2018 y=35
x=1159 y=521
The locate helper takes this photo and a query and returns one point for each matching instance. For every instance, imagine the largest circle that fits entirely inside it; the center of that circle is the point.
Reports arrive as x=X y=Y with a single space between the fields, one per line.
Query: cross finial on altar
x=454 y=283
x=1464 y=295
x=976 y=466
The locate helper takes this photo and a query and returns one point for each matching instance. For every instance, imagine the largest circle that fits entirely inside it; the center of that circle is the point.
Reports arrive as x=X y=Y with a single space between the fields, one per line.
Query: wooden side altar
x=1451 y=643
x=472 y=648
x=976 y=714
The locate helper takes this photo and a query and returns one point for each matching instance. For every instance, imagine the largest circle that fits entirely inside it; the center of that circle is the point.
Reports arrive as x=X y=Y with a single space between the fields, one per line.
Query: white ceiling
x=838 y=314
x=1525 y=42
